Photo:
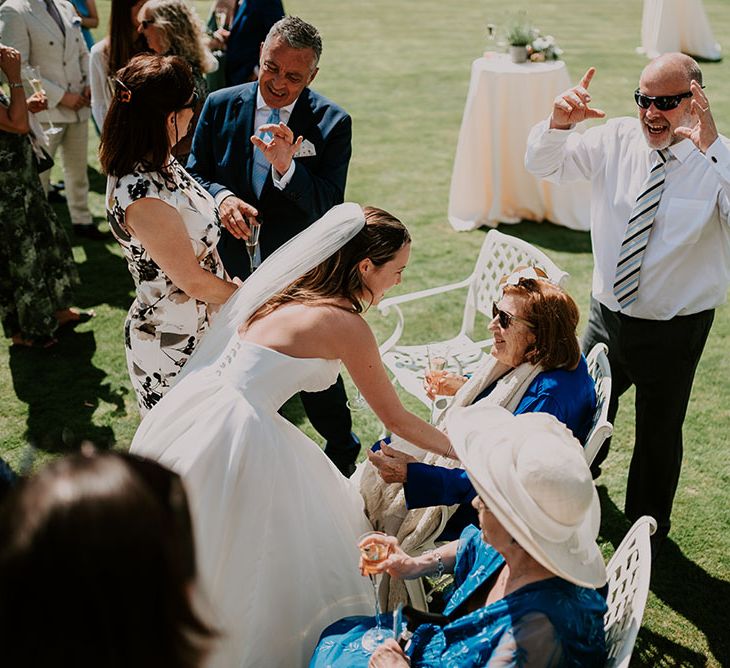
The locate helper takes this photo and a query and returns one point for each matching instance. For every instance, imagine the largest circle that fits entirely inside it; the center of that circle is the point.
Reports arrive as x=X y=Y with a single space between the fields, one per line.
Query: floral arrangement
x=521 y=32
x=542 y=48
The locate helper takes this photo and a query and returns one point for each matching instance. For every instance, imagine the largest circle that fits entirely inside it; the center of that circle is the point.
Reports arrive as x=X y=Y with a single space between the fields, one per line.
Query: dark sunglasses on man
x=661 y=102
x=506 y=318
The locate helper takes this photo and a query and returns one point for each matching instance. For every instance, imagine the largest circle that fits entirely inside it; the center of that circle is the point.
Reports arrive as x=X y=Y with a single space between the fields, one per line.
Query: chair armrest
x=388 y=303
x=394 y=303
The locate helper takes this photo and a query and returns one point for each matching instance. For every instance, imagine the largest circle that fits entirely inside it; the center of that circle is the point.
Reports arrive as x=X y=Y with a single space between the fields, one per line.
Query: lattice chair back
x=629 y=572
x=600 y=371
x=499 y=256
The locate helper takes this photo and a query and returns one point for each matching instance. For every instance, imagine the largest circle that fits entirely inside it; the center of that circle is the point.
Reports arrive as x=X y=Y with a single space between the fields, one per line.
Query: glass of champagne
x=252 y=243
x=220 y=18
x=33 y=74
x=373 y=552
x=436 y=368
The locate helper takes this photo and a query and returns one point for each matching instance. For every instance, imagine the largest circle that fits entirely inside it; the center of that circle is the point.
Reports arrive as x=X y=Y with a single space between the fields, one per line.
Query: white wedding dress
x=276 y=524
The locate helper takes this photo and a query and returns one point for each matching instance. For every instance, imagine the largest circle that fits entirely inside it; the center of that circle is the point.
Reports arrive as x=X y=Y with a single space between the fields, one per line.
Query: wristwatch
x=15 y=85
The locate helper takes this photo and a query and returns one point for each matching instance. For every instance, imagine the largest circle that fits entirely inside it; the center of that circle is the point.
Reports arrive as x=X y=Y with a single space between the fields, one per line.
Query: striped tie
x=638 y=229
x=261 y=166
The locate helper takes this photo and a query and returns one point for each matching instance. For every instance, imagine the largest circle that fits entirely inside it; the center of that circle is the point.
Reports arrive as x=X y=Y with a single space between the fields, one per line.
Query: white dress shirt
x=686 y=266
x=260 y=118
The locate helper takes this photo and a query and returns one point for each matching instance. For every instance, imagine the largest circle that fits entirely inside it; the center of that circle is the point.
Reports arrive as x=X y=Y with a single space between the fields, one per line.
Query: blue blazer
x=251 y=24
x=222 y=158
x=568 y=395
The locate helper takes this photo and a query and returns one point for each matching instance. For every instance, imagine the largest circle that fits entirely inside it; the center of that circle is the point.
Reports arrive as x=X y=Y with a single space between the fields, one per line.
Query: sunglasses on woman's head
x=661 y=102
x=505 y=318
x=192 y=103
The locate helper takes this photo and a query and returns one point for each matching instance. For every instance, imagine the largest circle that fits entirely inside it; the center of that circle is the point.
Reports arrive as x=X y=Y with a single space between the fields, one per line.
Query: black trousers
x=660 y=358
x=330 y=416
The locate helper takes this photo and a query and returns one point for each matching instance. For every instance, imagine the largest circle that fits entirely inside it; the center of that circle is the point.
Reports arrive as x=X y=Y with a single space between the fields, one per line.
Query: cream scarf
x=385 y=503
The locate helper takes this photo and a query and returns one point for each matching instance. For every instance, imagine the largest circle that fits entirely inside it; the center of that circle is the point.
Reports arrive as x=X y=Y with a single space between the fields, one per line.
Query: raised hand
x=10 y=63
x=704 y=132
x=571 y=106
x=282 y=146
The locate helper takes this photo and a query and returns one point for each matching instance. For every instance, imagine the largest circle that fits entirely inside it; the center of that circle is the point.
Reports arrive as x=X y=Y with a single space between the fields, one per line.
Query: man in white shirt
x=660 y=216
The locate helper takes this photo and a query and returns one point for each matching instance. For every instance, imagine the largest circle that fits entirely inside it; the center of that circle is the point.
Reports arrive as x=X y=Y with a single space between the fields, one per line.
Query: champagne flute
x=373 y=553
x=491 y=37
x=358 y=403
x=252 y=243
x=220 y=16
x=436 y=367
x=33 y=74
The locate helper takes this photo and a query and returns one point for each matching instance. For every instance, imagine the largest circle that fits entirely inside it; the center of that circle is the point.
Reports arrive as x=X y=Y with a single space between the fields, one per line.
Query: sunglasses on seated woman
x=505 y=318
x=661 y=102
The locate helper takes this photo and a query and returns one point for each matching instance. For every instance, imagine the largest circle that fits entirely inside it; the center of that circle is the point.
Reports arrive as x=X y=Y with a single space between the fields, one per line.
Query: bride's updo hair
x=338 y=277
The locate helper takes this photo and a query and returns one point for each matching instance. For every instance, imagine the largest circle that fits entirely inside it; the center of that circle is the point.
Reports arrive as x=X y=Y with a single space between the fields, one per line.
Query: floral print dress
x=164 y=325
x=37 y=270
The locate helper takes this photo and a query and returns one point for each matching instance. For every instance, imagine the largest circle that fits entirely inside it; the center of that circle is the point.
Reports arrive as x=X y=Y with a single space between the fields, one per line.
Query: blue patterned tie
x=261 y=166
x=636 y=237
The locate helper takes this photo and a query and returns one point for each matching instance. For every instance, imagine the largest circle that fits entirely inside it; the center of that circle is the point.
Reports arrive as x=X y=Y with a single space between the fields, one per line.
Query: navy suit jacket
x=222 y=158
x=251 y=24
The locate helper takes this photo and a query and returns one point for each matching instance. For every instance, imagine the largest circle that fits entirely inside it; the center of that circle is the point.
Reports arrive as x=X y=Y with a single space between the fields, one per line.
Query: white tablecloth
x=677 y=25
x=489 y=183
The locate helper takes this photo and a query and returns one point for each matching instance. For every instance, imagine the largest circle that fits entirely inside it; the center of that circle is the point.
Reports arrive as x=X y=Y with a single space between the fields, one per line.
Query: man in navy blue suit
x=251 y=23
x=276 y=152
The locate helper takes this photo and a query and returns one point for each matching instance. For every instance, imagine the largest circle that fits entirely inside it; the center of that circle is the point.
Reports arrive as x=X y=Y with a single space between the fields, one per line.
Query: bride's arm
x=358 y=351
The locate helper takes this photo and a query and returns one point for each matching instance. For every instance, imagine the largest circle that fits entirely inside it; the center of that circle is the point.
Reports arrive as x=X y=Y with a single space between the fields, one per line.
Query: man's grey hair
x=297 y=34
x=694 y=73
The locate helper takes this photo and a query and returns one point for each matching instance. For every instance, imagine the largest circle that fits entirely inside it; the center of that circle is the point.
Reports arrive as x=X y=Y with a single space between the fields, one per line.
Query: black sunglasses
x=146 y=23
x=192 y=103
x=661 y=102
x=505 y=318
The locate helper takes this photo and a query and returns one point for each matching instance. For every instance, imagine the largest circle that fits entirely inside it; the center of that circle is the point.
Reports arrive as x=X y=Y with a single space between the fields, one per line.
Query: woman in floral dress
x=166 y=224
x=37 y=271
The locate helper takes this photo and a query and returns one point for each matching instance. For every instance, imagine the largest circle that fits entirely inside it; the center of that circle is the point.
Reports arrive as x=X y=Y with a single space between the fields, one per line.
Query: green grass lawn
x=402 y=69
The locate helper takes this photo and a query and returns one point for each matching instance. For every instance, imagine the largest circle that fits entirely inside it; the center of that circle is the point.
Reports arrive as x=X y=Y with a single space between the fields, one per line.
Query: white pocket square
x=306 y=150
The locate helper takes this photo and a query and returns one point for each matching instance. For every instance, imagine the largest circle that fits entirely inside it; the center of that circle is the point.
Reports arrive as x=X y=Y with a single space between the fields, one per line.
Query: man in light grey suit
x=47 y=33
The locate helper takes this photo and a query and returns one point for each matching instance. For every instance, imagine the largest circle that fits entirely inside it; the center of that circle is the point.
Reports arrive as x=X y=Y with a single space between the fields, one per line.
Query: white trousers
x=73 y=141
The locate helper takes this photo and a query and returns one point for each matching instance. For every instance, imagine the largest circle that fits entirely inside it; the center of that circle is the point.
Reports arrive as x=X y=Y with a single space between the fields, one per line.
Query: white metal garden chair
x=499 y=256
x=600 y=371
x=629 y=572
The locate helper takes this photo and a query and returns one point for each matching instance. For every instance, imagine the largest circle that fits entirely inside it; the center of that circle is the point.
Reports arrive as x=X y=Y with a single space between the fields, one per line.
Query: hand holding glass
x=372 y=553
x=436 y=366
x=33 y=74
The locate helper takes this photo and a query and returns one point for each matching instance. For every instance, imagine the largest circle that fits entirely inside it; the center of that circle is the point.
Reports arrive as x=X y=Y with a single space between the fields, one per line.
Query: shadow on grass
x=549 y=236
x=685 y=587
x=62 y=389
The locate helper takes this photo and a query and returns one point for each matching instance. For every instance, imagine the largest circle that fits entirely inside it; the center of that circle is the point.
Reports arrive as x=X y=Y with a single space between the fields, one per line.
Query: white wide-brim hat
x=533 y=477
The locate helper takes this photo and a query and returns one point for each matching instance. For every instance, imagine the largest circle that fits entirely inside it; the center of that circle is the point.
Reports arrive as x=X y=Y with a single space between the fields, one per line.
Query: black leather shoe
x=55 y=197
x=91 y=232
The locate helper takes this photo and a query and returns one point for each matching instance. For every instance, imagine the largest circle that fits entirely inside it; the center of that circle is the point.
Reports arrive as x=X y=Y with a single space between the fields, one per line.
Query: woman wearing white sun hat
x=525 y=584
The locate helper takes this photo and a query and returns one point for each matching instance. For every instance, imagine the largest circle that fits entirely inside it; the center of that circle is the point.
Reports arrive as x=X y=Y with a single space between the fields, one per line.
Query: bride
x=276 y=523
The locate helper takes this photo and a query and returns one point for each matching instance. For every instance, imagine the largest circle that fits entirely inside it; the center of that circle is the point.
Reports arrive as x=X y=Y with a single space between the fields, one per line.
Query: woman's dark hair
x=555 y=317
x=338 y=277
x=124 y=40
x=135 y=136
x=97 y=565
